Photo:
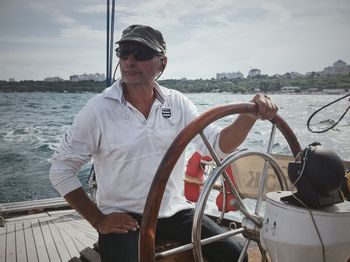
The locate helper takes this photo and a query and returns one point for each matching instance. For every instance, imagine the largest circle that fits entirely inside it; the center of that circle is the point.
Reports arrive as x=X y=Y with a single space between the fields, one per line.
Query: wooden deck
x=48 y=230
x=61 y=236
x=48 y=236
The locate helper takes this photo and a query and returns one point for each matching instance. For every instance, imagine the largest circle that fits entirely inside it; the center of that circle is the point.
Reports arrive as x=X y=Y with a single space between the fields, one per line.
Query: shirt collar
x=115 y=91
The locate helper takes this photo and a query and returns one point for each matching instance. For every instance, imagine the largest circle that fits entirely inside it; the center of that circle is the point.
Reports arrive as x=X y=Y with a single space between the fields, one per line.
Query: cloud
x=83 y=33
x=203 y=37
x=94 y=9
x=277 y=40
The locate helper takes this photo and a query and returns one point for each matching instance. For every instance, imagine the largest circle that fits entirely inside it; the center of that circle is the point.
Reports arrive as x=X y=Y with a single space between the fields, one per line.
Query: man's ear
x=163 y=61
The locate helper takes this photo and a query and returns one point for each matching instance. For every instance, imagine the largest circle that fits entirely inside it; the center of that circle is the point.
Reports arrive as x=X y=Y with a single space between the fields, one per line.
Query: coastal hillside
x=271 y=84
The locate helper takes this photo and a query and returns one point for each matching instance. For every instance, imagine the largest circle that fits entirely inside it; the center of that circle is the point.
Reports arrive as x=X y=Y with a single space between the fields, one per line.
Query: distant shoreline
x=315 y=85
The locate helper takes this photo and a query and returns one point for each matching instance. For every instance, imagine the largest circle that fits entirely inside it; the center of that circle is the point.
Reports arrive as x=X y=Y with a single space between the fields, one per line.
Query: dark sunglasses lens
x=122 y=53
x=140 y=54
x=144 y=55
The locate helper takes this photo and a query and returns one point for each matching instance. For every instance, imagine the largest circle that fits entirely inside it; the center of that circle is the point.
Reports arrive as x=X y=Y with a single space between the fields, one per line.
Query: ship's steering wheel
x=251 y=222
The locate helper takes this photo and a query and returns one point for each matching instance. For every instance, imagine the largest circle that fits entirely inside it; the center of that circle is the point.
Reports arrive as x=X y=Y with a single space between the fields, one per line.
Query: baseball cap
x=146 y=35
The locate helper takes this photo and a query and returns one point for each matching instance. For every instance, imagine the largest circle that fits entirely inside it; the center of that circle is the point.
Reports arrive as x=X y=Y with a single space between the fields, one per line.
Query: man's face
x=138 y=63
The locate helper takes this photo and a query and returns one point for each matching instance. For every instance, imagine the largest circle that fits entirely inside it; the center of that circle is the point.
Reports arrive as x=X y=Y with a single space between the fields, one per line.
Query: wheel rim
x=252 y=222
x=155 y=195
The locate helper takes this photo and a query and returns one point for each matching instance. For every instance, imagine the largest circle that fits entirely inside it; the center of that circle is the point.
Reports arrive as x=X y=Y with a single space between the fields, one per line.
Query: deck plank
x=2 y=244
x=79 y=236
x=83 y=223
x=78 y=221
x=45 y=237
x=59 y=242
x=29 y=241
x=10 y=243
x=80 y=227
x=87 y=230
x=49 y=242
x=66 y=229
x=39 y=241
x=20 y=242
x=68 y=240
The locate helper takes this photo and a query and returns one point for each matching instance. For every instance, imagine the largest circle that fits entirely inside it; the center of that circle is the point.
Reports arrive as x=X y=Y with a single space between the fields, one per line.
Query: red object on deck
x=230 y=204
x=195 y=171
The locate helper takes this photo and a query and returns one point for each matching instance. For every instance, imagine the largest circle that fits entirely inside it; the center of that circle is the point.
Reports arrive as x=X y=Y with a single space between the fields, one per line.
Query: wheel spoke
x=263 y=177
x=242 y=207
x=244 y=250
x=210 y=149
x=218 y=163
x=222 y=214
x=263 y=253
x=203 y=242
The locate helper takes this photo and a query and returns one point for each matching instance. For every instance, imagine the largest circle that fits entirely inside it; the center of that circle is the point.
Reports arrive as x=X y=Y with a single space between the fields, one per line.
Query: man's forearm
x=233 y=135
x=82 y=203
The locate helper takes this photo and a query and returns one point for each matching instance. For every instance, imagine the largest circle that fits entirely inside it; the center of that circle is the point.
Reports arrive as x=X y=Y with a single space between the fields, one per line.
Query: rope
x=318 y=110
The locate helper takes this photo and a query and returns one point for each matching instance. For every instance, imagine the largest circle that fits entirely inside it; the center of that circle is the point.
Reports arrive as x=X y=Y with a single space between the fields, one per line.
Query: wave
x=32 y=124
x=33 y=105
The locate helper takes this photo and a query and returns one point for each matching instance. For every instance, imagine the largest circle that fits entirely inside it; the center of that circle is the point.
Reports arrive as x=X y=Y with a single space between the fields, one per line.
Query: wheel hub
x=252 y=230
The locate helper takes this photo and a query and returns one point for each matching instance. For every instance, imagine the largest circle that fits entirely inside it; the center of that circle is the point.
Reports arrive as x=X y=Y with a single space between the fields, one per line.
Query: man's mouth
x=130 y=72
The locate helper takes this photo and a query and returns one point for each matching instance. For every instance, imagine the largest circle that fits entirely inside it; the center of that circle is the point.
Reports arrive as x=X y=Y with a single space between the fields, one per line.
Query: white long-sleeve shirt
x=127 y=149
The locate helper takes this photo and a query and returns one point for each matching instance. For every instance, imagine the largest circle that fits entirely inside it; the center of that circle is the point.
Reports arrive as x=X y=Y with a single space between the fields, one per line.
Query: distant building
x=292 y=75
x=339 y=64
x=310 y=74
x=12 y=79
x=278 y=76
x=233 y=75
x=338 y=68
x=254 y=72
x=290 y=89
x=333 y=91
x=313 y=90
x=53 y=79
x=74 y=78
x=314 y=74
x=87 y=77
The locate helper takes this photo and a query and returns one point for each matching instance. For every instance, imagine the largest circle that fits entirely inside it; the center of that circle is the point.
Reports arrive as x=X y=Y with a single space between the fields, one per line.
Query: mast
x=109 y=63
x=110 y=40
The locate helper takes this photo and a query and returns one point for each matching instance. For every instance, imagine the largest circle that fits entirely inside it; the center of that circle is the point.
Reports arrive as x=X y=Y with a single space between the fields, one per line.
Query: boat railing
x=33 y=206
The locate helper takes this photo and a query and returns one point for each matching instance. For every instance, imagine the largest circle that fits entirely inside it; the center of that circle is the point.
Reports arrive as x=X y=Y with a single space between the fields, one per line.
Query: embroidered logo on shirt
x=166 y=113
x=125 y=116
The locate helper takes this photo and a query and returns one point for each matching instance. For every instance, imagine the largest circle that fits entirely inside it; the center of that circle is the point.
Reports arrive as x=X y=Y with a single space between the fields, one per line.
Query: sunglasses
x=139 y=53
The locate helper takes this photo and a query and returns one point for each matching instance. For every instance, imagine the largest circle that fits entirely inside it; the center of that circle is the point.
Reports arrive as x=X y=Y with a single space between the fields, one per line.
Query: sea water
x=32 y=123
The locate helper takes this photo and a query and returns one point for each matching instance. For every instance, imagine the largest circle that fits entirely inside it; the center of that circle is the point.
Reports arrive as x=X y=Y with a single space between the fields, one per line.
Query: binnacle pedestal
x=289 y=233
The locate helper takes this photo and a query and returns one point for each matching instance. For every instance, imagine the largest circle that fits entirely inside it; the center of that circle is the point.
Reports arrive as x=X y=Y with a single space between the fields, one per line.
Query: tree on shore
x=243 y=85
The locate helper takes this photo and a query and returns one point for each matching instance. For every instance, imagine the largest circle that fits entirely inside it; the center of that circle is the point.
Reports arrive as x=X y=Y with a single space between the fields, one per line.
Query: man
x=127 y=129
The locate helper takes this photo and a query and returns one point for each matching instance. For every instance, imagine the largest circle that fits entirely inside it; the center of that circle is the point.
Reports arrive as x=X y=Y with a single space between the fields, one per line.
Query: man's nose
x=130 y=59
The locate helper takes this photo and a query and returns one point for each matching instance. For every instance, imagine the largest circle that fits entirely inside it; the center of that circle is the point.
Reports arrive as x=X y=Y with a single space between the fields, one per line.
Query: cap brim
x=140 y=40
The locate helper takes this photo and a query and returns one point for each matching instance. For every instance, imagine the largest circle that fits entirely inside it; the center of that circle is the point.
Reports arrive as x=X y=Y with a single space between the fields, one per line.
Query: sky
x=46 y=38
